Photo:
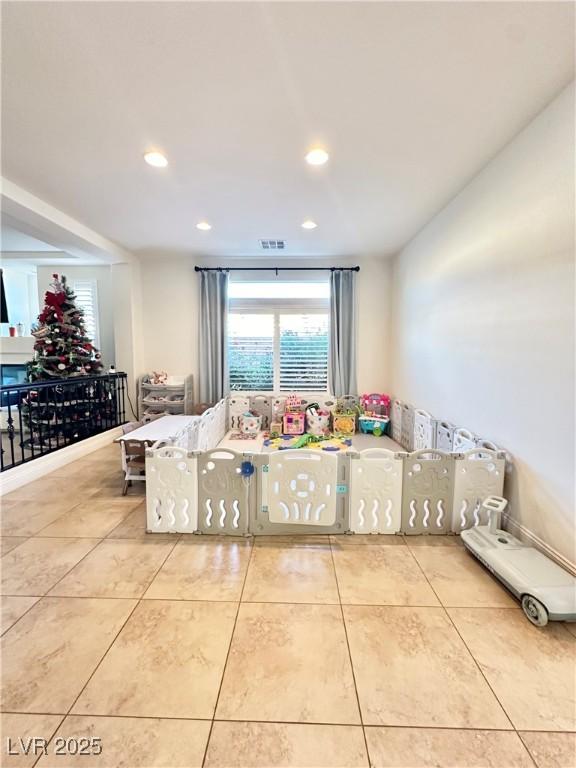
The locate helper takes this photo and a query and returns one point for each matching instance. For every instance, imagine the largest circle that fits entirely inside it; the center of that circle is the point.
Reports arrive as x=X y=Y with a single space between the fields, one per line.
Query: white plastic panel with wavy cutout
x=375 y=491
x=424 y=430
x=171 y=490
x=477 y=474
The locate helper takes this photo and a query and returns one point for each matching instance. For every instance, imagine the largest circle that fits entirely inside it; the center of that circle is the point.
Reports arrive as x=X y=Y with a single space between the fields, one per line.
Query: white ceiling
x=13 y=241
x=410 y=98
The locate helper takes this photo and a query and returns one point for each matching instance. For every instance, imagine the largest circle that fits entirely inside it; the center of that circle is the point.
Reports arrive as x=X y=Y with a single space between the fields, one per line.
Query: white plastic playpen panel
x=427 y=492
x=464 y=440
x=407 y=431
x=424 y=430
x=171 y=491
x=237 y=405
x=223 y=493
x=396 y=419
x=302 y=487
x=477 y=474
x=444 y=436
x=375 y=491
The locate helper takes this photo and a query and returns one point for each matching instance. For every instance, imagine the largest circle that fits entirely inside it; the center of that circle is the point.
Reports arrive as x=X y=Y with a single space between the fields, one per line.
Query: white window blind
x=87 y=299
x=303 y=352
x=251 y=352
x=278 y=336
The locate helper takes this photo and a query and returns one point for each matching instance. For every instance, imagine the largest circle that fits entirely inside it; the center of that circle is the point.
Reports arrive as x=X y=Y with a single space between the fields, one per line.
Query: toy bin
x=317 y=422
x=294 y=423
x=250 y=423
x=373 y=425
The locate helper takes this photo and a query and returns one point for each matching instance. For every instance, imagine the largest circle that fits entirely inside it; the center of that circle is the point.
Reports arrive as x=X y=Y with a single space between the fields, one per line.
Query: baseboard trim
x=525 y=534
x=33 y=470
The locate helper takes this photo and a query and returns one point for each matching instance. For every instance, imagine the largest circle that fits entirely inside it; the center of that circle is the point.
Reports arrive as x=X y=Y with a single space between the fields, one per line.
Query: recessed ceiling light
x=204 y=226
x=317 y=156
x=156 y=159
x=309 y=224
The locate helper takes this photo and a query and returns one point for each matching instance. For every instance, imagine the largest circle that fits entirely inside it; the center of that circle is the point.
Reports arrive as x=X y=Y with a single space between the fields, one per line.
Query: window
x=87 y=299
x=278 y=336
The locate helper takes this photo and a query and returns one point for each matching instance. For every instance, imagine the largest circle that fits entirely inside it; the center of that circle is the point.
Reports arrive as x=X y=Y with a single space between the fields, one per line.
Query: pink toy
x=293 y=403
x=377 y=404
x=294 y=423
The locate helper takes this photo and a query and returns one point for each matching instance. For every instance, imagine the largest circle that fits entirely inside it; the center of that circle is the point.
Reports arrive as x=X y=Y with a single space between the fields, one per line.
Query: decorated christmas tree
x=62 y=348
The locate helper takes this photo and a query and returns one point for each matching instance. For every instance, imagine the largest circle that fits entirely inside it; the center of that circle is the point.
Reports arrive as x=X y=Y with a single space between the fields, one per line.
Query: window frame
x=277 y=307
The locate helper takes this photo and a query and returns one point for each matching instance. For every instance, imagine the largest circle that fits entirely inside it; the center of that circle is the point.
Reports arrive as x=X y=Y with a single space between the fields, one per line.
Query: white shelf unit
x=173 y=398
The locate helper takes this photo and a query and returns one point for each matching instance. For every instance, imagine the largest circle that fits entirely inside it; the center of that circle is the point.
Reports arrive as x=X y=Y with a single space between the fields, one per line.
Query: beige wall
x=170 y=300
x=105 y=299
x=483 y=319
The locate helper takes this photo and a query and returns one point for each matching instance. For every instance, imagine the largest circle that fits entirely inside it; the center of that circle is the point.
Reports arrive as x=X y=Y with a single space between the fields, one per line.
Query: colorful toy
x=373 y=425
x=275 y=428
x=294 y=423
x=293 y=403
x=344 y=424
x=377 y=404
x=250 y=423
x=317 y=421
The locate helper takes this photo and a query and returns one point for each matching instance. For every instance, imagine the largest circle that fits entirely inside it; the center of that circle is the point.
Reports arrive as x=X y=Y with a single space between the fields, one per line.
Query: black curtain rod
x=276 y=269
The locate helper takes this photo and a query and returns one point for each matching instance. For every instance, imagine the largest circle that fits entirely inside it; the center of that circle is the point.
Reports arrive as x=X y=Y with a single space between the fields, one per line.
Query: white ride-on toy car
x=545 y=590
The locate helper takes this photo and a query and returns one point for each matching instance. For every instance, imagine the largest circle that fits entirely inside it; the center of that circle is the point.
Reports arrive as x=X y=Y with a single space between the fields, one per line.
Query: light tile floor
x=180 y=651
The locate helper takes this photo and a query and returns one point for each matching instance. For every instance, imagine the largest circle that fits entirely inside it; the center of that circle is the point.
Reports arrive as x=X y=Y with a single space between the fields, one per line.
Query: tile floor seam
x=291 y=722
x=58 y=518
x=17 y=545
x=25 y=612
x=350 y=655
x=227 y=655
x=443 y=607
x=531 y=756
x=54 y=732
x=106 y=652
x=93 y=538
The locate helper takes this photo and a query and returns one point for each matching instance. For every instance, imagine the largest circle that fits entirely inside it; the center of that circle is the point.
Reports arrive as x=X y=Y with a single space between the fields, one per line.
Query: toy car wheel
x=535 y=611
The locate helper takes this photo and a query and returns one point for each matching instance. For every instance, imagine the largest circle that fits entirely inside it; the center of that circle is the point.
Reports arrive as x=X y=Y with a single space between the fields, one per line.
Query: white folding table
x=169 y=428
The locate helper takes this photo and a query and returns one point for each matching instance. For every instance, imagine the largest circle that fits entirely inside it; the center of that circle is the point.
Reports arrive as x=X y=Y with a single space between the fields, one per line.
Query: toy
x=159 y=377
x=344 y=424
x=294 y=419
x=377 y=404
x=275 y=428
x=546 y=591
x=317 y=421
x=374 y=425
x=294 y=423
x=250 y=423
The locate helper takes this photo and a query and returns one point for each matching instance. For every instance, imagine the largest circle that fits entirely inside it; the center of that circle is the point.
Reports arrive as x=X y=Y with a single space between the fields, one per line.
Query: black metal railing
x=38 y=418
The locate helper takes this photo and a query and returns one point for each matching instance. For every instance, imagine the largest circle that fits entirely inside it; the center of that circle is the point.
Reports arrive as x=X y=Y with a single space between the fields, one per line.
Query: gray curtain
x=213 y=336
x=342 y=360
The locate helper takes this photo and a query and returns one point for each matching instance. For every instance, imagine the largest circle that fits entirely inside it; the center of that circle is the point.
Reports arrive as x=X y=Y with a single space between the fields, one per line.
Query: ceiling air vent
x=272 y=245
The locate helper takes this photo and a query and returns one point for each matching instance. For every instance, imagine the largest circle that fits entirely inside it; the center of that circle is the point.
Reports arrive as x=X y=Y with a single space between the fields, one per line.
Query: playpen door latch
x=342 y=488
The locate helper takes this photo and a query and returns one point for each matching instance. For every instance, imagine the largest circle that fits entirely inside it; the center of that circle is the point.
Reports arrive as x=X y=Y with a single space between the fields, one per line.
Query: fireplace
x=12 y=373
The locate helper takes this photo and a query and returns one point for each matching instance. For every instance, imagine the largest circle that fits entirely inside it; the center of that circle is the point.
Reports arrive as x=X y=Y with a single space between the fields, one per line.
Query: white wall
x=102 y=276
x=170 y=300
x=483 y=318
x=20 y=282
